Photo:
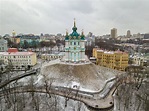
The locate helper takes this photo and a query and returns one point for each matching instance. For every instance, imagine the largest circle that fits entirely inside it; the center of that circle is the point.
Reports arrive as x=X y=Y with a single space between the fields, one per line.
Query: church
x=74 y=46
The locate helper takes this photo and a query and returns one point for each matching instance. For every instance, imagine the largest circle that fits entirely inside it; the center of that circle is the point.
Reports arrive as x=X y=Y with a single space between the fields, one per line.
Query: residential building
x=114 y=33
x=112 y=59
x=30 y=40
x=146 y=36
x=74 y=46
x=15 y=39
x=3 y=45
x=18 y=59
x=90 y=39
x=93 y=60
x=140 y=59
x=138 y=35
x=128 y=34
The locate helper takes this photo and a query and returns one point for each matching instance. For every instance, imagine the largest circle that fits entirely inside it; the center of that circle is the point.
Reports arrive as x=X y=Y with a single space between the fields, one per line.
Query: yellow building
x=95 y=52
x=112 y=59
x=15 y=40
x=18 y=59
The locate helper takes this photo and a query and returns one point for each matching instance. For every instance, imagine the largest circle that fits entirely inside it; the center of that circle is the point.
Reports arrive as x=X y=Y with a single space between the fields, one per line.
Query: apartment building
x=114 y=33
x=112 y=59
x=140 y=59
x=15 y=40
x=18 y=59
x=3 y=45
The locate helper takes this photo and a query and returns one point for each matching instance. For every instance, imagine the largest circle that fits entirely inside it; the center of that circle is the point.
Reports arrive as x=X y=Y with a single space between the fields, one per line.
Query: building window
x=74 y=43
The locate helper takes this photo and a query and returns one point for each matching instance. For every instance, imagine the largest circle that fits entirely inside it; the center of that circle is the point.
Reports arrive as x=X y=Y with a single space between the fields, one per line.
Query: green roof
x=74 y=34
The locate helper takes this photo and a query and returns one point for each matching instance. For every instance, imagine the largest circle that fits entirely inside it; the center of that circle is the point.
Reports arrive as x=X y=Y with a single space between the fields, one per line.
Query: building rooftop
x=56 y=54
x=110 y=52
x=10 y=50
x=16 y=53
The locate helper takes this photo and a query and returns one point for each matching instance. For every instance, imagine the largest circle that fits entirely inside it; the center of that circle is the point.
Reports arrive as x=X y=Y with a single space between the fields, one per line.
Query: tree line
x=34 y=44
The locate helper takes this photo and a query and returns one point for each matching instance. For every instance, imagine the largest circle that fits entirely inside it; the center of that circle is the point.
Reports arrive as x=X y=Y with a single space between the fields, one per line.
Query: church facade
x=74 y=46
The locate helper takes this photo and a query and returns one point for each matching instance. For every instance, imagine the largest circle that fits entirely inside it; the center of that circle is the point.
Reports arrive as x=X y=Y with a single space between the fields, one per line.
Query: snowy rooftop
x=55 y=54
x=110 y=52
x=16 y=53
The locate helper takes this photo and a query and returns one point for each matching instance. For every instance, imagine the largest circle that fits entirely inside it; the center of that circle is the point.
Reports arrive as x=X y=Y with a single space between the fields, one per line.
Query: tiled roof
x=12 y=50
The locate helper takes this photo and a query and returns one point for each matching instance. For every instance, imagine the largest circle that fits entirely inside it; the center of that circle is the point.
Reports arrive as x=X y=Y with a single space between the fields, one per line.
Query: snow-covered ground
x=87 y=75
x=82 y=76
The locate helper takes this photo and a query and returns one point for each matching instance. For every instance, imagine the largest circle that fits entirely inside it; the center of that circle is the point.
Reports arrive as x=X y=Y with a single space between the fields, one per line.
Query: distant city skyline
x=55 y=16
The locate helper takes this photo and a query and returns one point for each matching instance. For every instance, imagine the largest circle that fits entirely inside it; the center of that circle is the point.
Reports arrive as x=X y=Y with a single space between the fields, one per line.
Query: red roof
x=12 y=50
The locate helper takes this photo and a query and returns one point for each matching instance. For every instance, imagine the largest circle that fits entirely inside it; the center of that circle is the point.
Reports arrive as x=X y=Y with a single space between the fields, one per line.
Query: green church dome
x=74 y=34
x=82 y=36
x=67 y=36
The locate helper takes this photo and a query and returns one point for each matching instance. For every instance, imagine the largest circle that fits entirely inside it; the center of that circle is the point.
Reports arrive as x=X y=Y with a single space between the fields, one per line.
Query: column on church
x=83 y=55
x=80 y=55
x=68 y=55
x=72 y=56
x=76 y=56
x=66 y=44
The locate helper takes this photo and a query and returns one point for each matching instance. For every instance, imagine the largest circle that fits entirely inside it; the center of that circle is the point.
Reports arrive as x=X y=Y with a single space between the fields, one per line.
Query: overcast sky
x=55 y=16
